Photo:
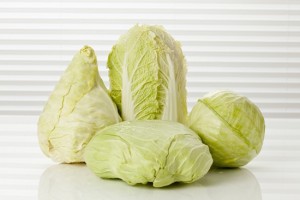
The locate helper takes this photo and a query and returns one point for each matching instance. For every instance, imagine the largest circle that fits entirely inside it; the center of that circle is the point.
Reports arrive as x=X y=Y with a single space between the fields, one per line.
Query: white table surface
x=25 y=173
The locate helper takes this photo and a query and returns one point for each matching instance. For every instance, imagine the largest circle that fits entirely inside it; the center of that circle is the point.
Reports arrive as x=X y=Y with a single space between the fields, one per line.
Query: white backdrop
x=249 y=46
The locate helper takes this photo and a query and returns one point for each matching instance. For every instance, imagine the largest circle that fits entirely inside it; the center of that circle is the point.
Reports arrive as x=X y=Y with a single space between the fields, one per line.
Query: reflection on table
x=74 y=182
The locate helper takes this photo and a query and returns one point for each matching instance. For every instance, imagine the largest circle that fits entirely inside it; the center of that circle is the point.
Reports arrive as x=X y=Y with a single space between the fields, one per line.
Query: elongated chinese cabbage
x=144 y=151
x=147 y=73
x=78 y=107
x=231 y=125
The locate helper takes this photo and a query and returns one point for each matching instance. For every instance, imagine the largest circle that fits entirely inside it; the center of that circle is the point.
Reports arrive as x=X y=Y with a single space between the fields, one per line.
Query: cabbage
x=231 y=125
x=147 y=73
x=78 y=107
x=155 y=151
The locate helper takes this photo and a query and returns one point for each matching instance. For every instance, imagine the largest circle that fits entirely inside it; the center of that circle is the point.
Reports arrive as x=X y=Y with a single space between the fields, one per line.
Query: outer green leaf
x=155 y=151
x=147 y=75
x=78 y=107
x=231 y=125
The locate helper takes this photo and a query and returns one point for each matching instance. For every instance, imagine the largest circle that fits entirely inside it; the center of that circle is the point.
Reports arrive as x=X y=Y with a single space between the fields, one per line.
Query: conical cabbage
x=144 y=151
x=78 y=107
x=147 y=73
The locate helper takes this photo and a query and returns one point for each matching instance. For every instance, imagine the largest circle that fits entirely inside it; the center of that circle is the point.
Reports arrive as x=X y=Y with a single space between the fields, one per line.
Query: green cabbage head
x=231 y=125
x=147 y=72
x=78 y=107
x=144 y=151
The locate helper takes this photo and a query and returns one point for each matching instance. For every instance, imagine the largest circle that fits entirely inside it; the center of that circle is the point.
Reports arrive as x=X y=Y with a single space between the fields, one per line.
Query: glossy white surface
x=25 y=173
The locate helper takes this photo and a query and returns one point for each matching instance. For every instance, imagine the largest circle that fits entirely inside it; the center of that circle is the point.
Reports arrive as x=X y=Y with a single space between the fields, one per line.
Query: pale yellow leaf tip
x=88 y=54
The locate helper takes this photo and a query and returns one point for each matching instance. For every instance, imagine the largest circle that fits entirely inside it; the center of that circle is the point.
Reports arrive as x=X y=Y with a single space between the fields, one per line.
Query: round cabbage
x=231 y=125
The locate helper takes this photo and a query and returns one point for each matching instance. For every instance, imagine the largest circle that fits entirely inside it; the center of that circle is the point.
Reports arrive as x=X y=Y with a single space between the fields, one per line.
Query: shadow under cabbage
x=74 y=182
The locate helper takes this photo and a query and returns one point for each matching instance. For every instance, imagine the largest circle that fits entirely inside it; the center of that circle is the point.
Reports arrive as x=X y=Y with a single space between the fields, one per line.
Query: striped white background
x=249 y=46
